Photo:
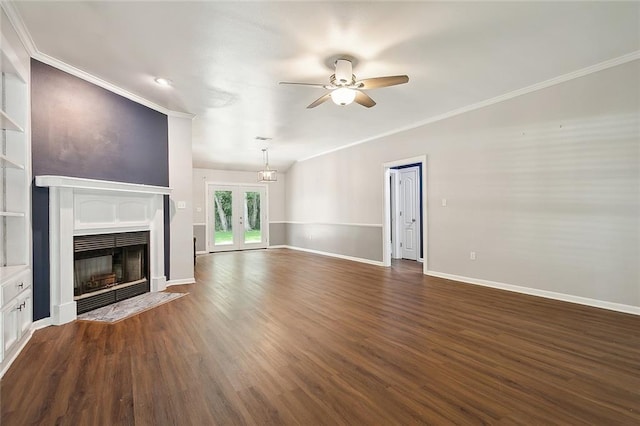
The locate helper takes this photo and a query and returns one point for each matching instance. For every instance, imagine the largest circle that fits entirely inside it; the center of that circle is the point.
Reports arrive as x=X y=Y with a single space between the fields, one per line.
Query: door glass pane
x=223 y=232
x=252 y=226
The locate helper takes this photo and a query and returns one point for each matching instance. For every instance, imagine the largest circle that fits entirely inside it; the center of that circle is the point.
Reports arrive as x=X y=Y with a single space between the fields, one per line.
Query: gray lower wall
x=200 y=232
x=360 y=241
x=277 y=235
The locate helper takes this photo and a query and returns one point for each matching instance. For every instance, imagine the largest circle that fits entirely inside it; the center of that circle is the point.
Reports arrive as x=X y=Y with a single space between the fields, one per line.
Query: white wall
x=276 y=191
x=545 y=188
x=181 y=180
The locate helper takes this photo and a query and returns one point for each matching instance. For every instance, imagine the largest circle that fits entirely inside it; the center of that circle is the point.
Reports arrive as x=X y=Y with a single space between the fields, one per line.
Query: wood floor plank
x=284 y=337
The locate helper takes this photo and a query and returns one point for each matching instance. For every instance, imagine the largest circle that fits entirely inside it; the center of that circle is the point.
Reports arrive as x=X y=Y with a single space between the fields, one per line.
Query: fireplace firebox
x=109 y=267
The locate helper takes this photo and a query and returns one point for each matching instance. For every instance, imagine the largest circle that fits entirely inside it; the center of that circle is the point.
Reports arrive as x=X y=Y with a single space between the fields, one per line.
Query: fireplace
x=79 y=208
x=109 y=267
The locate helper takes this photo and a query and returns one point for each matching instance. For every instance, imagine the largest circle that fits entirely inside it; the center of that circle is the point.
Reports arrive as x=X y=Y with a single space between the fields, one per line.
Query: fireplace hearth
x=109 y=268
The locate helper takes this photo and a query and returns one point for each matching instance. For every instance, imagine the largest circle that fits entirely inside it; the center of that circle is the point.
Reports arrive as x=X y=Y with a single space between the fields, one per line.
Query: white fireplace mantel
x=99 y=185
x=86 y=206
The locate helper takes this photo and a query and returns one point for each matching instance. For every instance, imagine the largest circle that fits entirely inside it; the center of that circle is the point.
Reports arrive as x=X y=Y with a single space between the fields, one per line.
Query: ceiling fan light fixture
x=344 y=88
x=343 y=96
x=343 y=72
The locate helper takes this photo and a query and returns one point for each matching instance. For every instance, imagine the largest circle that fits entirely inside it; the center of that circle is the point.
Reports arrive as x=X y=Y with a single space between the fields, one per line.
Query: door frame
x=395 y=228
x=386 y=224
x=236 y=185
x=417 y=226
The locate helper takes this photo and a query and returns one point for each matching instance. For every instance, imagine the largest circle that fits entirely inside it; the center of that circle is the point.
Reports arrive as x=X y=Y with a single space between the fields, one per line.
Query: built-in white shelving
x=9 y=65
x=15 y=195
x=5 y=162
x=7 y=123
x=11 y=214
x=11 y=271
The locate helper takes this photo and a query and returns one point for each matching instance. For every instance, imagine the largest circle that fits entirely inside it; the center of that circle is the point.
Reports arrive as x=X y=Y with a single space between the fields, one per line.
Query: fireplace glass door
x=109 y=267
x=93 y=273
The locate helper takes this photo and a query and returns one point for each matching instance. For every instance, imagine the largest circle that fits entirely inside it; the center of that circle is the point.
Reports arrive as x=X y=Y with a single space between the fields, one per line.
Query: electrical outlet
x=199 y=209
x=182 y=204
x=472 y=255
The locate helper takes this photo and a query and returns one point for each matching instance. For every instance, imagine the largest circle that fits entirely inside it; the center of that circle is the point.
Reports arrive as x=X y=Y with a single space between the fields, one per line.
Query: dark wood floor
x=271 y=337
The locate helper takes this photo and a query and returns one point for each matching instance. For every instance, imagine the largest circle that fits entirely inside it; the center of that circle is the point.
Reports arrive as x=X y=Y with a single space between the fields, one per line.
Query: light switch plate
x=182 y=204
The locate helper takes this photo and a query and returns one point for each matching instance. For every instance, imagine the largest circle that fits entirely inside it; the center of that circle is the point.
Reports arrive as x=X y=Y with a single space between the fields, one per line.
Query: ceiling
x=225 y=60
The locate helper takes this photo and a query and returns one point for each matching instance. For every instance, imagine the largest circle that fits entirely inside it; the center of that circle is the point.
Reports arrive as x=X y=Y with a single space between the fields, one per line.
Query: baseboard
x=41 y=323
x=339 y=256
x=202 y=252
x=278 y=246
x=181 y=281
x=618 y=307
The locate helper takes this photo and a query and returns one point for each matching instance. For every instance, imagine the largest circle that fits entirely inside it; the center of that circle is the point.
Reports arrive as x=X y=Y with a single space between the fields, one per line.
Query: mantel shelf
x=6 y=163
x=99 y=185
x=8 y=124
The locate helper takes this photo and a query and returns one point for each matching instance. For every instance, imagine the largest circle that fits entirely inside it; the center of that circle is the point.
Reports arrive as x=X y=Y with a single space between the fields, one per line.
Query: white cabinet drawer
x=14 y=286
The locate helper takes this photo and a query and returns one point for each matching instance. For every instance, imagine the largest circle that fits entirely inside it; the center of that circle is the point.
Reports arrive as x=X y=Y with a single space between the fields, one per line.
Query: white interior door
x=236 y=217
x=409 y=213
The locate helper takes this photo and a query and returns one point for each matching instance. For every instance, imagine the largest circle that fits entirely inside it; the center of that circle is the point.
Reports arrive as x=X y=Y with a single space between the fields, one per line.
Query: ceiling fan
x=345 y=89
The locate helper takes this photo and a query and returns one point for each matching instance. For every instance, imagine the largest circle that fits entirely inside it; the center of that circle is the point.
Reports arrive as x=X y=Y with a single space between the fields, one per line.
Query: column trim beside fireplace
x=87 y=206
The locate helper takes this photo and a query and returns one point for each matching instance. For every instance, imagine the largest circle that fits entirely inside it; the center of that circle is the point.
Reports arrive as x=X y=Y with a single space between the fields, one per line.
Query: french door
x=236 y=217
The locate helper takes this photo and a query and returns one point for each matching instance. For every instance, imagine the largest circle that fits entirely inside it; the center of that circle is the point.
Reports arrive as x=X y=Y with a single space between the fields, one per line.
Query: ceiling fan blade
x=320 y=100
x=374 y=83
x=303 y=84
x=364 y=99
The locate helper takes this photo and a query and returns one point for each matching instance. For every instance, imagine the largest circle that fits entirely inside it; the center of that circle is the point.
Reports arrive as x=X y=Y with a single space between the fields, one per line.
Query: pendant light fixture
x=267 y=174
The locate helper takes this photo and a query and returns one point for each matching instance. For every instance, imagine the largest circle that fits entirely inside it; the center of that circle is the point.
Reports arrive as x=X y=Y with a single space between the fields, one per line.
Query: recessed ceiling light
x=163 y=81
x=262 y=138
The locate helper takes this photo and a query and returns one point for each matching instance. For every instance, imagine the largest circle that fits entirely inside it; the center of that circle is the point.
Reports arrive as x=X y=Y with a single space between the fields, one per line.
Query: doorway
x=406 y=226
x=405 y=212
x=236 y=217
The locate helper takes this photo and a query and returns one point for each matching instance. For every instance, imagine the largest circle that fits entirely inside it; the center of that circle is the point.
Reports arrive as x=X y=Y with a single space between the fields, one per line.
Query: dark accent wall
x=81 y=130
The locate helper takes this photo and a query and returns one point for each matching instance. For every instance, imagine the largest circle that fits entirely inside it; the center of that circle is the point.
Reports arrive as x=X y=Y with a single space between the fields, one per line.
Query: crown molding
x=506 y=96
x=70 y=69
x=18 y=24
x=172 y=113
x=32 y=49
